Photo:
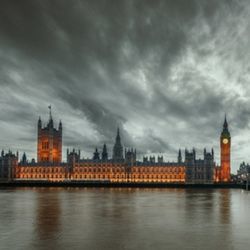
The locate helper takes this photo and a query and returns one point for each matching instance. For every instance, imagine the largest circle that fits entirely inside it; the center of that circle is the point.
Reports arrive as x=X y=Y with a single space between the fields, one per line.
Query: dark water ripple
x=88 y=218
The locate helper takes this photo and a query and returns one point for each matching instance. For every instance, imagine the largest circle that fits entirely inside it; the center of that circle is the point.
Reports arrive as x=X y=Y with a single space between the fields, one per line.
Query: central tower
x=225 y=149
x=118 y=149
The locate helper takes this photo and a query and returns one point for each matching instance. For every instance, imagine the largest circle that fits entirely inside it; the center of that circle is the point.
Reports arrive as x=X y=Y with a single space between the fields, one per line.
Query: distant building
x=199 y=170
x=243 y=172
x=123 y=166
x=8 y=164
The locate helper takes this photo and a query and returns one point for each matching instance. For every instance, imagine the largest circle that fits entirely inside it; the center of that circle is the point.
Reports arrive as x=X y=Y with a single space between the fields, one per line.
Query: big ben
x=225 y=149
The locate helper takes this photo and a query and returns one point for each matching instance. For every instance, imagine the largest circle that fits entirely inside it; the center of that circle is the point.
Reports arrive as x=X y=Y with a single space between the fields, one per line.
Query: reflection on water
x=126 y=218
x=225 y=206
x=48 y=214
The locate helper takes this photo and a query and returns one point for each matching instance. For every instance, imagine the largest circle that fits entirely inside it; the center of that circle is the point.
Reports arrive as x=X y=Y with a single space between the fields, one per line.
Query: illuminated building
x=49 y=142
x=123 y=166
x=225 y=144
x=223 y=173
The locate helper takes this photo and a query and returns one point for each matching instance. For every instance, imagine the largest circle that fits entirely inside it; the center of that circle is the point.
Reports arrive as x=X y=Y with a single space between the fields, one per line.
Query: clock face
x=225 y=141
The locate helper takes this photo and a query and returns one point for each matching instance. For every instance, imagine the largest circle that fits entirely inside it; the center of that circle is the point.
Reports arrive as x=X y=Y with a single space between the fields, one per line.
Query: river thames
x=124 y=218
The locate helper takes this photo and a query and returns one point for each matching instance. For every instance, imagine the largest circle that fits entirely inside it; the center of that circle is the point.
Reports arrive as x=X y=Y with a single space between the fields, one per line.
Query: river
x=124 y=218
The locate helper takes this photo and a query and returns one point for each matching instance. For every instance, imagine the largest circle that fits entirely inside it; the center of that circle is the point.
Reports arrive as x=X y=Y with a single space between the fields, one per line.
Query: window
x=45 y=145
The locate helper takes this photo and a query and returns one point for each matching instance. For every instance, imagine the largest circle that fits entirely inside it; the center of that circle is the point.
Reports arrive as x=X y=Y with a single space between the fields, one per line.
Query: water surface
x=124 y=218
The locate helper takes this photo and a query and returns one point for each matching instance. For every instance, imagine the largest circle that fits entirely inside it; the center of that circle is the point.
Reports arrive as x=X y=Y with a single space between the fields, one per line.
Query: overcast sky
x=165 y=72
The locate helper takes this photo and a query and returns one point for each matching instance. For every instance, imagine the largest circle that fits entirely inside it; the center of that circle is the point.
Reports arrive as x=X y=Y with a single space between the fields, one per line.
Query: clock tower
x=225 y=150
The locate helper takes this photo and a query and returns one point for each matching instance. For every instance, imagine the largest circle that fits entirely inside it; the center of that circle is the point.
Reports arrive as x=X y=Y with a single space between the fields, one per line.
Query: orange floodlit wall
x=102 y=171
x=49 y=143
x=39 y=172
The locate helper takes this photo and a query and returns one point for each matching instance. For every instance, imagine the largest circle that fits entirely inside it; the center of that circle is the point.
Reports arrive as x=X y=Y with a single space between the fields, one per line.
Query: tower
x=24 y=158
x=225 y=150
x=130 y=156
x=190 y=161
x=96 y=155
x=49 y=141
x=118 y=149
x=179 y=157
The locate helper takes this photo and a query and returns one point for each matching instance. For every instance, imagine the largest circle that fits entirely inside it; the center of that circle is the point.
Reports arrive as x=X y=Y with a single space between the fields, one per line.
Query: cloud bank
x=165 y=72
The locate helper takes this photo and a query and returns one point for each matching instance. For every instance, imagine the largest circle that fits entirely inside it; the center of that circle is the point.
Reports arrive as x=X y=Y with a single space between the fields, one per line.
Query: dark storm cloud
x=160 y=70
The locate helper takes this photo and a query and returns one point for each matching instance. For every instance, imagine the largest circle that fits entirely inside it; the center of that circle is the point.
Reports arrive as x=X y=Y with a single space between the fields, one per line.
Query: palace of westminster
x=122 y=167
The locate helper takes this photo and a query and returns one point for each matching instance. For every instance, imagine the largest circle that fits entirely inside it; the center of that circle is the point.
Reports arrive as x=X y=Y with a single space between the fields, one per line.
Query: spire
x=39 y=124
x=50 y=118
x=225 y=131
x=225 y=125
x=50 y=115
x=96 y=156
x=24 y=158
x=67 y=155
x=118 y=149
x=104 y=153
x=118 y=138
x=60 y=125
x=179 y=156
x=194 y=153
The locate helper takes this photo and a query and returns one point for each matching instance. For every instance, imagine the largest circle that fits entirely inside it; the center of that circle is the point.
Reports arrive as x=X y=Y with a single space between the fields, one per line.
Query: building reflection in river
x=225 y=206
x=95 y=218
x=48 y=216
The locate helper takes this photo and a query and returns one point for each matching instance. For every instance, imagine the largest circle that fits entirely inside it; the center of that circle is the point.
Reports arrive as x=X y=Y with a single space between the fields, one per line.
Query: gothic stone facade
x=8 y=164
x=49 y=142
x=123 y=166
